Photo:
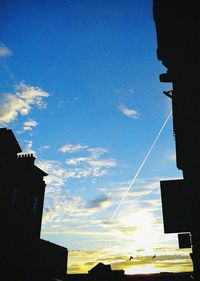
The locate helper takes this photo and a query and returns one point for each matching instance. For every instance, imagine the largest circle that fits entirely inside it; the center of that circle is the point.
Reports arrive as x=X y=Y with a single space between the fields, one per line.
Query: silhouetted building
x=103 y=271
x=22 y=189
x=100 y=270
x=178 y=40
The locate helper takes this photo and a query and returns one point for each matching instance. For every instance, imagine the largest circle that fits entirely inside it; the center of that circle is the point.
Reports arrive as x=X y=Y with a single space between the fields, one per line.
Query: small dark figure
x=130 y=258
x=153 y=257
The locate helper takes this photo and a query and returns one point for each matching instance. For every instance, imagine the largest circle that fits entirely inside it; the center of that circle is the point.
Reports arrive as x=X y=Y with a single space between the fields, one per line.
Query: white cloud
x=97 y=163
x=93 y=164
x=76 y=161
x=82 y=168
x=70 y=148
x=131 y=113
x=28 y=148
x=97 y=151
x=82 y=217
x=29 y=124
x=21 y=102
x=54 y=170
x=44 y=147
x=102 y=163
x=60 y=205
x=4 y=51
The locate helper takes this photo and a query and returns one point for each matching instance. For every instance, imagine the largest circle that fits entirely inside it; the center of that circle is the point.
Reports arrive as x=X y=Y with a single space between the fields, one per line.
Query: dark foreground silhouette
x=136 y=277
x=23 y=255
x=177 y=25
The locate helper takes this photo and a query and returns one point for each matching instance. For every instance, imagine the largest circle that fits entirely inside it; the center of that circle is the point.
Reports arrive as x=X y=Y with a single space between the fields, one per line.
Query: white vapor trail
x=142 y=164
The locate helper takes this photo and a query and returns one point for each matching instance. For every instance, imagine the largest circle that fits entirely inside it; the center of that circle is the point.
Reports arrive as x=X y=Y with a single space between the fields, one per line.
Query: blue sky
x=80 y=89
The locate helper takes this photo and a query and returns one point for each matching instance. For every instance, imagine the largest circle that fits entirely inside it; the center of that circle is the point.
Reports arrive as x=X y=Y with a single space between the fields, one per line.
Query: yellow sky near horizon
x=166 y=260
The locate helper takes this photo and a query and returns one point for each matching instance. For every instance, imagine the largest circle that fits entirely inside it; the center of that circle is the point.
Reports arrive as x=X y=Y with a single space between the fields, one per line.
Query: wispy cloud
x=93 y=164
x=171 y=155
x=59 y=204
x=70 y=148
x=44 y=147
x=58 y=174
x=131 y=113
x=94 y=167
x=55 y=171
x=56 y=193
x=4 y=51
x=20 y=102
x=28 y=125
x=97 y=151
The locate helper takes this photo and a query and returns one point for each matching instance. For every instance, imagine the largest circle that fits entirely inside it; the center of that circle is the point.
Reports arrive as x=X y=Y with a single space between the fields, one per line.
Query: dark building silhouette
x=100 y=271
x=103 y=271
x=22 y=188
x=178 y=39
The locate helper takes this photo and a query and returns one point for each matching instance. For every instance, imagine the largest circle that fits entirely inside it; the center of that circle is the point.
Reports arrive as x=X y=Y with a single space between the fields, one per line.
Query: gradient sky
x=79 y=86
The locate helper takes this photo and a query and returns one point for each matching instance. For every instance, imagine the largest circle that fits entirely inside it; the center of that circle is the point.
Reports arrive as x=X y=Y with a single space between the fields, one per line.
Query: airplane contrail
x=142 y=164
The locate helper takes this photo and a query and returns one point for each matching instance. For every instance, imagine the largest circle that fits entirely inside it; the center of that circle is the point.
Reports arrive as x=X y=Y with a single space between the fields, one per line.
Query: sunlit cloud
x=136 y=231
x=130 y=215
x=139 y=194
x=131 y=225
x=60 y=204
x=20 y=102
x=4 y=51
x=57 y=198
x=131 y=113
x=66 y=213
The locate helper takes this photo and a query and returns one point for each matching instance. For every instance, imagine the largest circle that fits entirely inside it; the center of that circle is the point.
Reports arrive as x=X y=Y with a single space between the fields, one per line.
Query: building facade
x=22 y=190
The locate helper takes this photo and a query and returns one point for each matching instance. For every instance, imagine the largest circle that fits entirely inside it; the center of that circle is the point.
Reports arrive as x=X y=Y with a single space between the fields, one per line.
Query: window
x=35 y=203
x=14 y=196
